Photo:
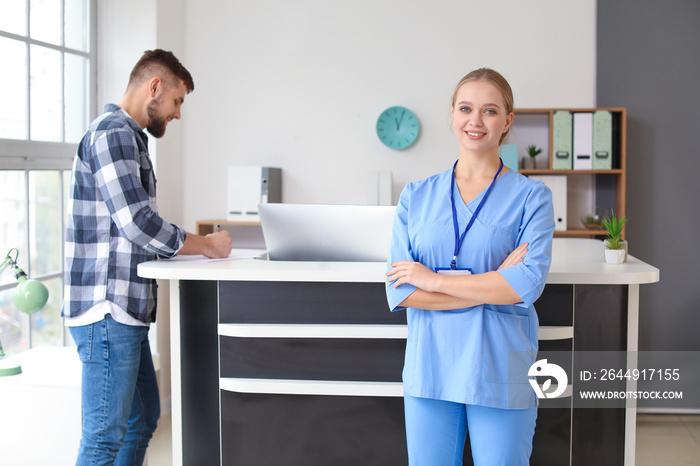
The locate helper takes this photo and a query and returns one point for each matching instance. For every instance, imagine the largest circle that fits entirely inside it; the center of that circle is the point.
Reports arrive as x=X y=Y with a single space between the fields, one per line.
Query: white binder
x=583 y=141
x=557 y=184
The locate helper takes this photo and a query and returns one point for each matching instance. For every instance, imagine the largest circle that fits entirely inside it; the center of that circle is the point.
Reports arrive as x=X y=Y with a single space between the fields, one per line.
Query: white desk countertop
x=574 y=260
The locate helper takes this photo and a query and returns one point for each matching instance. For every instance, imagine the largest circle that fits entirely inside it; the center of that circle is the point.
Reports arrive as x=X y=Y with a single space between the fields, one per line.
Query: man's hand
x=219 y=246
x=214 y=246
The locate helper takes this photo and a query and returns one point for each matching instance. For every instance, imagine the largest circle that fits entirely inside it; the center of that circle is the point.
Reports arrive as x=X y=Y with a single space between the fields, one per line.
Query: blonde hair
x=495 y=78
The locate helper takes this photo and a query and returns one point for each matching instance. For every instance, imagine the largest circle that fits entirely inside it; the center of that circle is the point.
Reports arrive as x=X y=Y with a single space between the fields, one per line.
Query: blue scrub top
x=463 y=355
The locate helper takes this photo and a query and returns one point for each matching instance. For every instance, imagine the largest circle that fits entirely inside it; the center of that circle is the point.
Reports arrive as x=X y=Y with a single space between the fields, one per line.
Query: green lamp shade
x=30 y=295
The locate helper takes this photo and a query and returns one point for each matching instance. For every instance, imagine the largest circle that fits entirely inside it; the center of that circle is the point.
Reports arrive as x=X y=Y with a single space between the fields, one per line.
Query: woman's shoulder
x=524 y=183
x=437 y=180
x=525 y=189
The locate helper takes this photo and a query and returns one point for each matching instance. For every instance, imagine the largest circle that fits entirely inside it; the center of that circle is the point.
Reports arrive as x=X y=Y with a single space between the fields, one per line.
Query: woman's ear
x=509 y=121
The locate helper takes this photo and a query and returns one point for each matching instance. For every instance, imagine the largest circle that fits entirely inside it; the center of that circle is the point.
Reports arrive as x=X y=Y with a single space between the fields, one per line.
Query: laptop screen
x=333 y=233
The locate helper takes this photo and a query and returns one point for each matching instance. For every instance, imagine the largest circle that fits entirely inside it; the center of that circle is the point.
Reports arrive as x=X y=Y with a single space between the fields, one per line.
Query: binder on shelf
x=509 y=155
x=557 y=184
x=562 y=140
x=583 y=141
x=602 y=140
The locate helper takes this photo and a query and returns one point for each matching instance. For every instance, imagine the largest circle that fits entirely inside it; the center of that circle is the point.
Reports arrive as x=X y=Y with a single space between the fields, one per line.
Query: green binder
x=602 y=140
x=562 y=140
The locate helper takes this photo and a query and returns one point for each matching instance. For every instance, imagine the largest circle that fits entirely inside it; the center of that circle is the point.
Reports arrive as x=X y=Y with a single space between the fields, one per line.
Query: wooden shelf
x=548 y=171
x=204 y=227
x=580 y=233
x=542 y=118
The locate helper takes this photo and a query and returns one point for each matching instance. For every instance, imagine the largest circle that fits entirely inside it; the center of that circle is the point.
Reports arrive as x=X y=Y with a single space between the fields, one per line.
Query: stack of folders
x=582 y=140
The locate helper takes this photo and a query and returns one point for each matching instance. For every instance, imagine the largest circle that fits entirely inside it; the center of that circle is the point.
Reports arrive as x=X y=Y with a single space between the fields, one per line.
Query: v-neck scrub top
x=463 y=355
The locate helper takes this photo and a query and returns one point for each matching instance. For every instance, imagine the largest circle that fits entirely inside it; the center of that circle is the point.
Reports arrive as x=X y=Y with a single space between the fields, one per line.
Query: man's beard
x=156 y=125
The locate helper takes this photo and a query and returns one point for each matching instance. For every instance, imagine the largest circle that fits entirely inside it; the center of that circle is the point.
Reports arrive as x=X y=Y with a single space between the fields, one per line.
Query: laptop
x=333 y=233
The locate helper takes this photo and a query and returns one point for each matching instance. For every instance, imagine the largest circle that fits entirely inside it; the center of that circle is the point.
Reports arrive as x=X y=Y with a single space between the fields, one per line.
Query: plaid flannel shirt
x=113 y=224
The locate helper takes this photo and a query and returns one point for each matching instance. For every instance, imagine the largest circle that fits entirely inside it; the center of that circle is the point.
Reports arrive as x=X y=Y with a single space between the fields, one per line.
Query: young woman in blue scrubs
x=470 y=253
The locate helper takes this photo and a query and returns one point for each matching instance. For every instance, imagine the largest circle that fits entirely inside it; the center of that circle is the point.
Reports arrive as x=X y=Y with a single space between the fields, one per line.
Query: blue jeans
x=120 y=399
x=436 y=431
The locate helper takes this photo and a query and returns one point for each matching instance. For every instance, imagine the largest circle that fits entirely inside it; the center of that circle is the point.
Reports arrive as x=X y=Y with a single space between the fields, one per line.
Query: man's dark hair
x=163 y=64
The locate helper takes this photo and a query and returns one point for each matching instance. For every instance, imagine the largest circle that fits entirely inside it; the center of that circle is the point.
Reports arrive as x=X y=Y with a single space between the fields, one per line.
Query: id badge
x=450 y=271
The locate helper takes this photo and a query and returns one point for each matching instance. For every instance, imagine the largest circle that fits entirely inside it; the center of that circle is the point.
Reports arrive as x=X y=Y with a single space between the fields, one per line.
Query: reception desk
x=299 y=363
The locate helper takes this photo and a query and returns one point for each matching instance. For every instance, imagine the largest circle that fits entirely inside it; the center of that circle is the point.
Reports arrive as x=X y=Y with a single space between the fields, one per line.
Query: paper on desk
x=235 y=255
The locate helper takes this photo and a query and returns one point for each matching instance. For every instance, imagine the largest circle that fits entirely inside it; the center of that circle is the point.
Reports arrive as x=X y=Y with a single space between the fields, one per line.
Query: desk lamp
x=30 y=296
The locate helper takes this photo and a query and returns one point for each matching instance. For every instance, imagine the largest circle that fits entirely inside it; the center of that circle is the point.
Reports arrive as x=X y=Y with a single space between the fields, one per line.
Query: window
x=32 y=203
x=47 y=90
x=46 y=61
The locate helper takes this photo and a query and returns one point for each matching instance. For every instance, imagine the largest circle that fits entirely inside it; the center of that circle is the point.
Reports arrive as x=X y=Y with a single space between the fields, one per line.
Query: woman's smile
x=475 y=135
x=479 y=116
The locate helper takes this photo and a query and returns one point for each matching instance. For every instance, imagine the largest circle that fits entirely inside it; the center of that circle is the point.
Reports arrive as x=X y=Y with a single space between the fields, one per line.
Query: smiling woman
x=465 y=315
x=503 y=93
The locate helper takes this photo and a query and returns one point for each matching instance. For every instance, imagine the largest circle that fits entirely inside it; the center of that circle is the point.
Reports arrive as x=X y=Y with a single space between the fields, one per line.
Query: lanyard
x=458 y=238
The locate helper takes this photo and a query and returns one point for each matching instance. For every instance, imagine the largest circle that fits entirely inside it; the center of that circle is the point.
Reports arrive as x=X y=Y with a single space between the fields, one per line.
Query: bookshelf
x=588 y=191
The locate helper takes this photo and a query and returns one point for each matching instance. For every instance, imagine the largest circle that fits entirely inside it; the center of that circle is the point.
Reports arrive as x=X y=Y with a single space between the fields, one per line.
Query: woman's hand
x=411 y=272
x=426 y=279
x=515 y=257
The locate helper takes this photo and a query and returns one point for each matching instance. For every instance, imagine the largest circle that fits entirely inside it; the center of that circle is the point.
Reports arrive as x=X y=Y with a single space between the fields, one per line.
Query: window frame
x=29 y=155
x=19 y=154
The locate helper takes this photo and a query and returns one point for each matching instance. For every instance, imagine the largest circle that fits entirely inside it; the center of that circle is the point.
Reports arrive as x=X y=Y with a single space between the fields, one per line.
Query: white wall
x=122 y=36
x=299 y=85
x=127 y=28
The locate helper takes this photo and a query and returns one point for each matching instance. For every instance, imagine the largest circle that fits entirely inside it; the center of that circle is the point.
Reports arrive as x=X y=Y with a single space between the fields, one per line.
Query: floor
x=160 y=450
x=662 y=440
x=668 y=440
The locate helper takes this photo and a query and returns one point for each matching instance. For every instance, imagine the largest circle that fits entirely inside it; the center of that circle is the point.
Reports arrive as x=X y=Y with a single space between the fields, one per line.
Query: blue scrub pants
x=436 y=431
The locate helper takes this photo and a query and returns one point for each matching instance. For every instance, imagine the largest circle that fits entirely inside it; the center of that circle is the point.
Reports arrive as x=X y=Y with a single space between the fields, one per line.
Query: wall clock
x=397 y=127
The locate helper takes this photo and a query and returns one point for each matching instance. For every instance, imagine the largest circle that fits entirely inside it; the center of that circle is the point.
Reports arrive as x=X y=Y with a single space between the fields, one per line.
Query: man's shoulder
x=114 y=119
x=111 y=120
x=110 y=129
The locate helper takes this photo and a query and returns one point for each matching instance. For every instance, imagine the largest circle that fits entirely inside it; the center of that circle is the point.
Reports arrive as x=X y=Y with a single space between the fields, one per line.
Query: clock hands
x=392 y=131
x=398 y=121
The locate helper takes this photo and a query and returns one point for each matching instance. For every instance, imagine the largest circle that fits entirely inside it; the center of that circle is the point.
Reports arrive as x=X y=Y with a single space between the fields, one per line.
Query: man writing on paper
x=113 y=225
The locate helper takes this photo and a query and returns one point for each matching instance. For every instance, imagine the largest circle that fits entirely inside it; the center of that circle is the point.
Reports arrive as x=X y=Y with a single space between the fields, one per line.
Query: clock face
x=397 y=127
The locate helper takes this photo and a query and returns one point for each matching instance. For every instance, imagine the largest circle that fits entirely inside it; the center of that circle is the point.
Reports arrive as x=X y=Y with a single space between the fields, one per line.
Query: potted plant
x=532 y=151
x=592 y=221
x=615 y=246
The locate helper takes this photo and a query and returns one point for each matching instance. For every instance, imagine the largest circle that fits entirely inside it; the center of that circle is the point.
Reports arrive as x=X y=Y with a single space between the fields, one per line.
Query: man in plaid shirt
x=113 y=225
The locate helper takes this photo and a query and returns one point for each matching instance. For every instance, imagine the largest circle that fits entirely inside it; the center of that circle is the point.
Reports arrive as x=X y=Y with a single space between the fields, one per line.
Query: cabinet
x=273 y=374
x=588 y=191
x=300 y=362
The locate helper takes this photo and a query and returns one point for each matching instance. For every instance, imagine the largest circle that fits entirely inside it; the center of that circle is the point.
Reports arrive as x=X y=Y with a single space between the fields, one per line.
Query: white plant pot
x=624 y=248
x=615 y=256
